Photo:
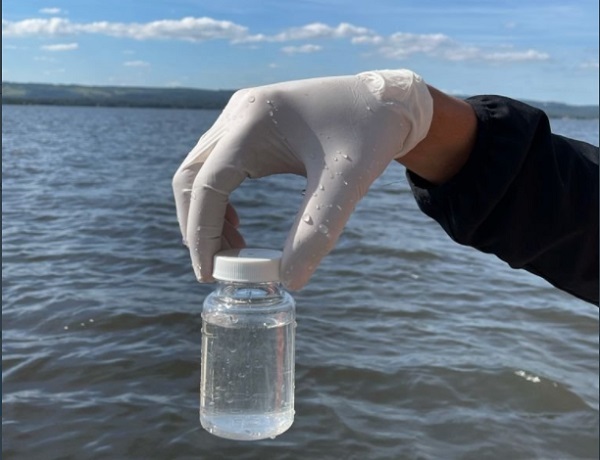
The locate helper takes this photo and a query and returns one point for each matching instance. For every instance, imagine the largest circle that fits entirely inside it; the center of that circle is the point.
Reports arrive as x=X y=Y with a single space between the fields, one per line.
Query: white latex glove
x=339 y=132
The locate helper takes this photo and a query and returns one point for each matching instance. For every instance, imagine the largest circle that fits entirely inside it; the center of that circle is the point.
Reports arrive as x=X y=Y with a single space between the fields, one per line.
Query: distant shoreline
x=184 y=98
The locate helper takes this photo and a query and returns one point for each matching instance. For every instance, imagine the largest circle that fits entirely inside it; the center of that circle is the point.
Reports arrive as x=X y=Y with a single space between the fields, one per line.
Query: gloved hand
x=339 y=132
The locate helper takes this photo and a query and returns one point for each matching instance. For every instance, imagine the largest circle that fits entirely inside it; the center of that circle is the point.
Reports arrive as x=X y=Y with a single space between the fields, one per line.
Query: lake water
x=408 y=345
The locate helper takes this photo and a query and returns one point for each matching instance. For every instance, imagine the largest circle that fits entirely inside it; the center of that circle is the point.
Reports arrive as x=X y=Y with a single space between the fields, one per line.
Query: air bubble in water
x=323 y=229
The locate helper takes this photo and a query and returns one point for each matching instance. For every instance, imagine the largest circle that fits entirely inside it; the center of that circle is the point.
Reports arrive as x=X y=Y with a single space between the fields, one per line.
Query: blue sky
x=543 y=50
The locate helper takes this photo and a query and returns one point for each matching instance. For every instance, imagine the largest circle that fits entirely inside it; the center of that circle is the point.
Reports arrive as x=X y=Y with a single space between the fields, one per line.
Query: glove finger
x=329 y=203
x=209 y=200
x=185 y=175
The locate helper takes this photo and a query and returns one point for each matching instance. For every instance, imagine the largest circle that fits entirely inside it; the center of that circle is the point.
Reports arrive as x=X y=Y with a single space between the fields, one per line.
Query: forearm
x=449 y=141
x=514 y=190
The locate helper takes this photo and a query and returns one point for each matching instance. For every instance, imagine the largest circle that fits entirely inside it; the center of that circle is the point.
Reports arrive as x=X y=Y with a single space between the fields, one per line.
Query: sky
x=544 y=50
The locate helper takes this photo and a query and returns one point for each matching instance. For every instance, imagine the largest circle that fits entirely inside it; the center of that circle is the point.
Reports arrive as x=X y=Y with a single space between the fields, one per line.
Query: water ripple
x=408 y=346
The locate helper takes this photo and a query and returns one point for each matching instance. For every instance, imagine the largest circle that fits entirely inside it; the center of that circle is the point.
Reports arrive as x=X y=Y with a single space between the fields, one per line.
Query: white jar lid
x=252 y=265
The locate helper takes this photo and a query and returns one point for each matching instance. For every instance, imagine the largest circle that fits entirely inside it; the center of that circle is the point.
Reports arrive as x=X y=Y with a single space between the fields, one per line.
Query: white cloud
x=50 y=10
x=367 y=40
x=399 y=45
x=305 y=49
x=403 y=45
x=60 y=47
x=30 y=27
x=315 y=30
x=515 y=56
x=318 y=30
x=136 y=64
x=188 y=29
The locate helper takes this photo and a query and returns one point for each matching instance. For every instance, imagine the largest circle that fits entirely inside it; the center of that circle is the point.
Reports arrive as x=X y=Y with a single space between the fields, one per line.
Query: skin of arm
x=449 y=142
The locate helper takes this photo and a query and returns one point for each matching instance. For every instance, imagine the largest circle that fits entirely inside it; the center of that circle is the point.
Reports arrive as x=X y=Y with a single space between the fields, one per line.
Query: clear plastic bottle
x=248 y=328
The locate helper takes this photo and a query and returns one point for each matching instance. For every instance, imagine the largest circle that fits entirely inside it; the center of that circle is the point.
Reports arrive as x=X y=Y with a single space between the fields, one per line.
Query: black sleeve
x=526 y=195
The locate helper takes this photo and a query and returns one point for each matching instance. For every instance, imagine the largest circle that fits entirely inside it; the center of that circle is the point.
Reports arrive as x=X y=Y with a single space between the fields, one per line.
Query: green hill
x=122 y=96
x=113 y=96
